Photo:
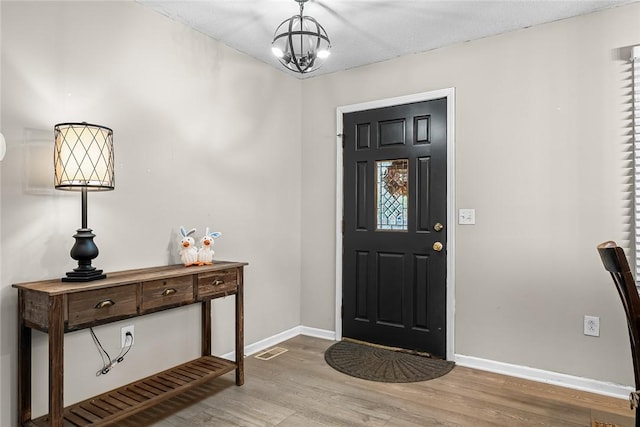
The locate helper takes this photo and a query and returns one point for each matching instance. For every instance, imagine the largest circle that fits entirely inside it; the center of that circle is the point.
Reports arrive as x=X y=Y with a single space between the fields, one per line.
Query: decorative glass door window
x=392 y=191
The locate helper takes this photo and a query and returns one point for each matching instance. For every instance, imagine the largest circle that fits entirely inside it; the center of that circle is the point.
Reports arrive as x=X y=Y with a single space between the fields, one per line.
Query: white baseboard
x=318 y=333
x=266 y=343
x=271 y=341
x=280 y=337
x=518 y=371
x=547 y=377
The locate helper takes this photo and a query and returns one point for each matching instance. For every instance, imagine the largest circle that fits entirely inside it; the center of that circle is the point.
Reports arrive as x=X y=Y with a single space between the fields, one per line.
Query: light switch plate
x=466 y=216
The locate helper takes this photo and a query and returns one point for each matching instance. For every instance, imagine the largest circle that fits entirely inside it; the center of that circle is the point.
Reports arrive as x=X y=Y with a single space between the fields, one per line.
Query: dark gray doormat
x=375 y=363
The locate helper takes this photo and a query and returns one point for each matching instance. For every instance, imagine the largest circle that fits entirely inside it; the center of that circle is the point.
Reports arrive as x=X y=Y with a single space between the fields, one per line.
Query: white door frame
x=448 y=93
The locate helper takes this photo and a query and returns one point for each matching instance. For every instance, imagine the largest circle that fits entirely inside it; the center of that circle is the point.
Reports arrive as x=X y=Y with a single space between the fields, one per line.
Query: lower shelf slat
x=208 y=367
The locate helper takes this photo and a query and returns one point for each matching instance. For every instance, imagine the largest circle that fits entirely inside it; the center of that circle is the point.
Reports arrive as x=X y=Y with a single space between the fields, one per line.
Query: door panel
x=362 y=285
x=391 y=132
x=421 y=291
x=361 y=195
x=423 y=219
x=394 y=282
x=390 y=271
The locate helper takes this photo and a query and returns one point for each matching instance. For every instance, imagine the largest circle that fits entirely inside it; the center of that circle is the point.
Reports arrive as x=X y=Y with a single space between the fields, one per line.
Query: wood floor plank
x=245 y=405
x=564 y=395
x=297 y=420
x=298 y=388
x=611 y=418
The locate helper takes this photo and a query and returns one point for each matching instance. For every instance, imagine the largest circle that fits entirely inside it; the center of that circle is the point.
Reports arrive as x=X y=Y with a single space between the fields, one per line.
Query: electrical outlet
x=592 y=326
x=126 y=341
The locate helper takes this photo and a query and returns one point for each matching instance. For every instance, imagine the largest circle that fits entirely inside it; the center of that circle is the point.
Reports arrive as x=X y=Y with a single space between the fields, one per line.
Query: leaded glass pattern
x=392 y=190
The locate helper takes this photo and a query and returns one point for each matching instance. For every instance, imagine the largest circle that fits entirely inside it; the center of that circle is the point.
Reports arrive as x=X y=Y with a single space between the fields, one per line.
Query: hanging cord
x=101 y=350
x=107 y=362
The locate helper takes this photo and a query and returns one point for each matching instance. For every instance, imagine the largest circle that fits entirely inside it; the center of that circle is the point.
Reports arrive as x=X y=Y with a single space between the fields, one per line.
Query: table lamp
x=83 y=161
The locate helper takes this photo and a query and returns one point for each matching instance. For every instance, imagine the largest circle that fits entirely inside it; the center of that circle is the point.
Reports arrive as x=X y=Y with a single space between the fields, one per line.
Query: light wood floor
x=298 y=389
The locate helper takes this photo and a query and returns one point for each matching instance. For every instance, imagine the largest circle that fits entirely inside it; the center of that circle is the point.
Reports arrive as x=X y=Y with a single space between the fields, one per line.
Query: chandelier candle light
x=301 y=43
x=83 y=161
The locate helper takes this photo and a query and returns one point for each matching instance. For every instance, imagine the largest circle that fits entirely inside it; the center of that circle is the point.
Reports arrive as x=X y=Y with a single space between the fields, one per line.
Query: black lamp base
x=83 y=251
x=76 y=276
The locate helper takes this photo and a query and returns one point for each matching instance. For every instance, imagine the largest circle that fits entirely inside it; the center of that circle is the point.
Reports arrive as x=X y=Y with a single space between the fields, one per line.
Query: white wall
x=203 y=135
x=542 y=154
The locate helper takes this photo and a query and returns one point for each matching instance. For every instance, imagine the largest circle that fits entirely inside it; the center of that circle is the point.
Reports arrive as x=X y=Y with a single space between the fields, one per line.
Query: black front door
x=394 y=236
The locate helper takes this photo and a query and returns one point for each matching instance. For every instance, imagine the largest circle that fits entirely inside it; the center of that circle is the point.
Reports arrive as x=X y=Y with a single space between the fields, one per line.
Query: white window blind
x=635 y=59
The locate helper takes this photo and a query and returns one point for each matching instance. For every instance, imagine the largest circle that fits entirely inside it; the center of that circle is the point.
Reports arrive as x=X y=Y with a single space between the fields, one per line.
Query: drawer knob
x=168 y=291
x=218 y=282
x=106 y=303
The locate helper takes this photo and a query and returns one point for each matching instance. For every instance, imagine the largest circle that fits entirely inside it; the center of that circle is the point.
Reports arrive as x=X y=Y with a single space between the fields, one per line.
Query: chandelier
x=300 y=43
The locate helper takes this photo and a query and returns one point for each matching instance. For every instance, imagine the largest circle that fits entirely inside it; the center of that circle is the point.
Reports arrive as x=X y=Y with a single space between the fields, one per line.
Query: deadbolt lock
x=438 y=226
x=437 y=246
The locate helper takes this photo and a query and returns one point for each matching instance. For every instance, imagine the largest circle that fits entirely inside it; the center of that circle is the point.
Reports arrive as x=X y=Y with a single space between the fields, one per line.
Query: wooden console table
x=56 y=307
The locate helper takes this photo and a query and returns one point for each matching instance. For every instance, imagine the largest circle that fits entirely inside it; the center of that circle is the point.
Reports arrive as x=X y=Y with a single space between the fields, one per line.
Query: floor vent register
x=271 y=353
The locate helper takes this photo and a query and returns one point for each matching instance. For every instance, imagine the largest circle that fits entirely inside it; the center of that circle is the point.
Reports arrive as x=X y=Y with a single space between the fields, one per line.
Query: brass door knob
x=437 y=246
x=438 y=226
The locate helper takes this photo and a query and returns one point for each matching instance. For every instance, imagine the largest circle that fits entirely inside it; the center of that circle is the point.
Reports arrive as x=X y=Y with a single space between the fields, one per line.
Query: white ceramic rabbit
x=205 y=253
x=188 y=250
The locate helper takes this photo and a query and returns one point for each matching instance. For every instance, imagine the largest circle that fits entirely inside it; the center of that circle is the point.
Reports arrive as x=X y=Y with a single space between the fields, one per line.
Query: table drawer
x=217 y=282
x=167 y=292
x=101 y=304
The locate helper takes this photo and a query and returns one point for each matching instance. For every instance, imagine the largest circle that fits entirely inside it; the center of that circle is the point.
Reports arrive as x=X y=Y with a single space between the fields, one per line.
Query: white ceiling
x=367 y=31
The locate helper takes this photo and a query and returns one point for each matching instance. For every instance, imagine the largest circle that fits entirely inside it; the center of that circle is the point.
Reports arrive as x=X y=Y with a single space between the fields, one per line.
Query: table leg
x=240 y=330
x=56 y=360
x=24 y=365
x=206 y=328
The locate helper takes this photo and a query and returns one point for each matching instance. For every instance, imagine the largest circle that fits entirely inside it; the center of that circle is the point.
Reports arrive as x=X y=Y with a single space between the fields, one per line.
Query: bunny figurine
x=188 y=250
x=205 y=253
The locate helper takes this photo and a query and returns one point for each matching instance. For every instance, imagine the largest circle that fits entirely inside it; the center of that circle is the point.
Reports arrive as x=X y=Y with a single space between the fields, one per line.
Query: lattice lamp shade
x=83 y=157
